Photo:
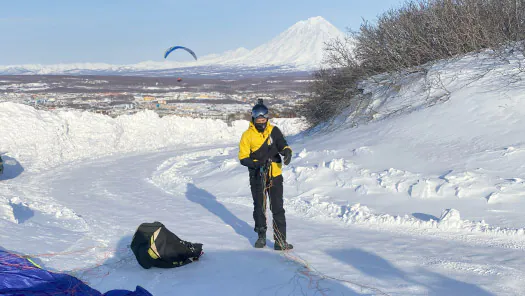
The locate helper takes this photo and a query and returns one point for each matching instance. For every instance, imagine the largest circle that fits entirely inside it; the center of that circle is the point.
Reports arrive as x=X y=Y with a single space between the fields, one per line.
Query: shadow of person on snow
x=377 y=267
x=12 y=168
x=210 y=203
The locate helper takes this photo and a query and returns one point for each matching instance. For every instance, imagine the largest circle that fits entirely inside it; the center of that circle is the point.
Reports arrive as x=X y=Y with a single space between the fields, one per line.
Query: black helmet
x=259 y=110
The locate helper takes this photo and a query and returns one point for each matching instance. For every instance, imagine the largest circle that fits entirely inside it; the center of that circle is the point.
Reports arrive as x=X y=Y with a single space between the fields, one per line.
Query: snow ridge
x=44 y=139
x=450 y=219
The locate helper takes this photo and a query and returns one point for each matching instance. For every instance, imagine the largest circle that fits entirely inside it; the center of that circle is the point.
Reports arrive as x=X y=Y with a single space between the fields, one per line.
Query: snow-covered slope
x=299 y=47
x=427 y=199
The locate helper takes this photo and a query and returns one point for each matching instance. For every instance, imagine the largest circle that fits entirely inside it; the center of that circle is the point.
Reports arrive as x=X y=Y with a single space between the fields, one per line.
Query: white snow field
x=427 y=199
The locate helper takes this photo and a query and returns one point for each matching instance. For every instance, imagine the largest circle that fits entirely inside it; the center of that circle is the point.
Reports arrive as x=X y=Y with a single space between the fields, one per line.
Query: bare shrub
x=424 y=31
x=419 y=32
x=331 y=92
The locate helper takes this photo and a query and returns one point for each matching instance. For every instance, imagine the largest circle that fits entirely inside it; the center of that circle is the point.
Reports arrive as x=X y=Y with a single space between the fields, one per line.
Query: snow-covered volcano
x=300 y=47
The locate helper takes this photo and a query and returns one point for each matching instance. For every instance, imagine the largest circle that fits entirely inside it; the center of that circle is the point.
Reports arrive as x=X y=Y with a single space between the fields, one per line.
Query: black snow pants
x=275 y=190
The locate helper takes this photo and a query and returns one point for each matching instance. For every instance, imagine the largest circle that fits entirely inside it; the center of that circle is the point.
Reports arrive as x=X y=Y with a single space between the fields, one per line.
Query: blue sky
x=120 y=32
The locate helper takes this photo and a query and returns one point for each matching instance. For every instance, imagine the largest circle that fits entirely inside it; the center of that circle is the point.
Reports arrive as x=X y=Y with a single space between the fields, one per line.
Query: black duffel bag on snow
x=154 y=245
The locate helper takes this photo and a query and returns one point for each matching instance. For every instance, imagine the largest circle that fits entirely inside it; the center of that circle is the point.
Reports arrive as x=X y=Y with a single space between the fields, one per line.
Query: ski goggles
x=260 y=113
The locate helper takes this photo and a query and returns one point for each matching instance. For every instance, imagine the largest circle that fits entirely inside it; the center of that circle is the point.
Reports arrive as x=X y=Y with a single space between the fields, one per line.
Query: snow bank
x=46 y=139
x=450 y=219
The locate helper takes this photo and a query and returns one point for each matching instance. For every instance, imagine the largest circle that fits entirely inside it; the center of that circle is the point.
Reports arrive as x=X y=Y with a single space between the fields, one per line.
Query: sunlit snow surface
x=427 y=199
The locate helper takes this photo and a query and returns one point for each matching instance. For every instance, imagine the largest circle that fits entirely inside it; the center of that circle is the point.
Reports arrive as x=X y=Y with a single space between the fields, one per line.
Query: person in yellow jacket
x=260 y=150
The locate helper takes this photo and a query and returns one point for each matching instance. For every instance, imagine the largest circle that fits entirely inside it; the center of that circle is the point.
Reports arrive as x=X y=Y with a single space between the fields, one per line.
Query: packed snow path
x=89 y=212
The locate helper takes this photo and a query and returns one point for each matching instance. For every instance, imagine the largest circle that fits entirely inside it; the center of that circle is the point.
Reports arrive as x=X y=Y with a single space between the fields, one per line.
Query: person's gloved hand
x=257 y=165
x=251 y=163
x=287 y=153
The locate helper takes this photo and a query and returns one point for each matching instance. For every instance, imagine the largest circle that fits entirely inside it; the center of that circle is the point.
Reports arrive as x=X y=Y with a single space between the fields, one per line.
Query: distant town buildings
x=203 y=100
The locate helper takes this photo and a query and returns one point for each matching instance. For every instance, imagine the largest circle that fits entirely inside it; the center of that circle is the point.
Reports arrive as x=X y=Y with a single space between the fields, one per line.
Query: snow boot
x=261 y=241
x=283 y=246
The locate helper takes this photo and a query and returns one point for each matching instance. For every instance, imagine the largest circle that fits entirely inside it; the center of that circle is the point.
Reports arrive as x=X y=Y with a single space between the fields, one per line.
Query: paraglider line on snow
x=308 y=271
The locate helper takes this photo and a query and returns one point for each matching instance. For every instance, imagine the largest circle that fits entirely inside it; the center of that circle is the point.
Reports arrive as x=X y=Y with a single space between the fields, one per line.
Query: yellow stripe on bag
x=151 y=252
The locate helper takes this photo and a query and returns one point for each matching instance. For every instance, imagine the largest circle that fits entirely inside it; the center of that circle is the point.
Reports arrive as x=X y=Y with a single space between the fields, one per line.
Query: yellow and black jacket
x=256 y=148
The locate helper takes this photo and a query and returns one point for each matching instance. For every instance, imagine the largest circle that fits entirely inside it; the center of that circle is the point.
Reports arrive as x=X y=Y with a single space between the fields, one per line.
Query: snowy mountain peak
x=314 y=21
x=301 y=45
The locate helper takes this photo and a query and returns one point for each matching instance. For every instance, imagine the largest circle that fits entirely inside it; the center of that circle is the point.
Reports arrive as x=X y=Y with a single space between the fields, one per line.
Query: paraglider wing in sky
x=179 y=47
